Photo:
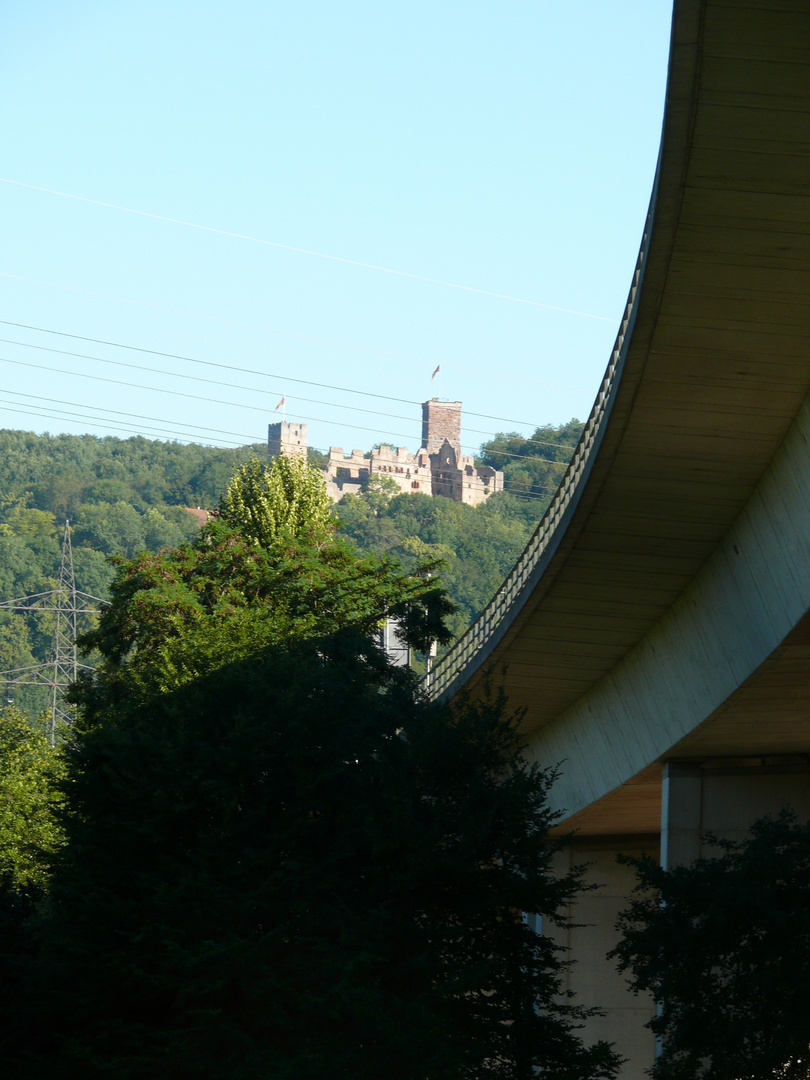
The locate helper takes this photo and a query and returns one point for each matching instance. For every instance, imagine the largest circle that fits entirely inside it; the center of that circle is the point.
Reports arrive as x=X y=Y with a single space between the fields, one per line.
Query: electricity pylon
x=62 y=667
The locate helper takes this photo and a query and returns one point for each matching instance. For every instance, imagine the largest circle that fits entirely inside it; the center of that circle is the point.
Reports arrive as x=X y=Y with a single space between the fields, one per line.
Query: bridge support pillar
x=724 y=797
x=593 y=978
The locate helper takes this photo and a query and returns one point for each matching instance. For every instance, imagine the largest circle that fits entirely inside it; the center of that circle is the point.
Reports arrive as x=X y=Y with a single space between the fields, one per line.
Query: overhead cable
x=514 y=487
x=233 y=404
x=285 y=333
x=283 y=379
x=303 y=251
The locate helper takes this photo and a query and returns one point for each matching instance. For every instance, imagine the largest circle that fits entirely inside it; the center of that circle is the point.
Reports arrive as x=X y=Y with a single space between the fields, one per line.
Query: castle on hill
x=437 y=468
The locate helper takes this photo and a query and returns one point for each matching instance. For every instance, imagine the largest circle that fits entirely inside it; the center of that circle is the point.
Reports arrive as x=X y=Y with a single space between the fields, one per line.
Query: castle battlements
x=437 y=468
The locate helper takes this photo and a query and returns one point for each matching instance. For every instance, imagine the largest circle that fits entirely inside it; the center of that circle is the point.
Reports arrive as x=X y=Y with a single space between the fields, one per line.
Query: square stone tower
x=441 y=420
x=284 y=438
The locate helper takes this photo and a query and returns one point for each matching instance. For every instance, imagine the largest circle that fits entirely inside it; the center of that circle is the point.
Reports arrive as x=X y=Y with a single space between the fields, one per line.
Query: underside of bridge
x=656 y=632
x=663 y=613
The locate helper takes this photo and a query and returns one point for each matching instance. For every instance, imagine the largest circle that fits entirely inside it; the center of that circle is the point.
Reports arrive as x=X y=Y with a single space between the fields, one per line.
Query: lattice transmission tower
x=62 y=666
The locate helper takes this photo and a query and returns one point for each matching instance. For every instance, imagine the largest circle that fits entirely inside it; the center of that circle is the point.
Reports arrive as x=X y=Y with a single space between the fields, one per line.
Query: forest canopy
x=274 y=857
x=123 y=496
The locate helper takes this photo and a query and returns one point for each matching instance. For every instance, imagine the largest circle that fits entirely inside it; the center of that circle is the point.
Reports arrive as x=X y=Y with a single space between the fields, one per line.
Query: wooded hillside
x=125 y=495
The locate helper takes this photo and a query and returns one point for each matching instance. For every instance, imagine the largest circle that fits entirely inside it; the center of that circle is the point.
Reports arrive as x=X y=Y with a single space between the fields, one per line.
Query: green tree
x=31 y=834
x=29 y=522
x=288 y=497
x=475 y=546
x=30 y=801
x=533 y=468
x=113 y=528
x=182 y=612
x=724 y=946
x=281 y=860
x=294 y=867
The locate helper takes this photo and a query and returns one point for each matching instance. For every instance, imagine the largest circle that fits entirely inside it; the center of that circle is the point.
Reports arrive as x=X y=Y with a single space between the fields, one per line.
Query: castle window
x=415 y=485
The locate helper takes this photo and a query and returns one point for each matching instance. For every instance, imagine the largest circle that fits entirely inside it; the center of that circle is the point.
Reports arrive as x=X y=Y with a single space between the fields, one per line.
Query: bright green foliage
x=724 y=946
x=475 y=546
x=280 y=860
x=288 y=498
x=533 y=467
x=295 y=868
x=28 y=522
x=30 y=799
x=180 y=613
x=61 y=473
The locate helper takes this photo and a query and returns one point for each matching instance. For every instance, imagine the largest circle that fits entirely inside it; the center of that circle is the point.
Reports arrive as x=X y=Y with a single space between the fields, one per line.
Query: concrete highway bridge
x=657 y=628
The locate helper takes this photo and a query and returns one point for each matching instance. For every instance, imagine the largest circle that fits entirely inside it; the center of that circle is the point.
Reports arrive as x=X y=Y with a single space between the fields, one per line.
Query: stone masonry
x=437 y=468
x=441 y=420
x=289 y=439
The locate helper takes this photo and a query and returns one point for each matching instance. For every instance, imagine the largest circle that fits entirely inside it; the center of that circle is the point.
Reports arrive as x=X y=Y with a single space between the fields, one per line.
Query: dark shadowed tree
x=30 y=835
x=280 y=860
x=724 y=946
x=294 y=867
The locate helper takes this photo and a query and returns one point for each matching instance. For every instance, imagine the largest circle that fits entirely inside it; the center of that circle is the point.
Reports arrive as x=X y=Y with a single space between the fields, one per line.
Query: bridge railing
x=447 y=670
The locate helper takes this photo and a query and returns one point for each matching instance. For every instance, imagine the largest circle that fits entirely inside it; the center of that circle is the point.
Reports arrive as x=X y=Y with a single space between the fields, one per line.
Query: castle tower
x=284 y=438
x=441 y=420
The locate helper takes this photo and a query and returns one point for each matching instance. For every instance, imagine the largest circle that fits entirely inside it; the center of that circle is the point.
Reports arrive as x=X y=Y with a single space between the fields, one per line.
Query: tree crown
x=286 y=500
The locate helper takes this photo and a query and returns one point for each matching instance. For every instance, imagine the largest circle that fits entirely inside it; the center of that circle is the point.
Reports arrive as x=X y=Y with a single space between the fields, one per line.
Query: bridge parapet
x=474 y=644
x=655 y=633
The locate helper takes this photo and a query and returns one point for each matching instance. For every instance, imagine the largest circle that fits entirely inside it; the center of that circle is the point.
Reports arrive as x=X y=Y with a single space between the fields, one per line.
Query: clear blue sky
x=509 y=148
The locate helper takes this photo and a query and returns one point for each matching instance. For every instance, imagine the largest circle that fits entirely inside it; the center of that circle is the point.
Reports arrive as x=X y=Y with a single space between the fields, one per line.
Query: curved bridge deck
x=661 y=608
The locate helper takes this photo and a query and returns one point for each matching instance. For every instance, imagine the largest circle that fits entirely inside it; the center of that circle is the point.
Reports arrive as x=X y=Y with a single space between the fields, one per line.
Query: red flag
x=436 y=372
x=279 y=405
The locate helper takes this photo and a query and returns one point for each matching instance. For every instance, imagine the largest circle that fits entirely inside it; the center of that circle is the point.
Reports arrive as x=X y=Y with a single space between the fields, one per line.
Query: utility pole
x=62 y=667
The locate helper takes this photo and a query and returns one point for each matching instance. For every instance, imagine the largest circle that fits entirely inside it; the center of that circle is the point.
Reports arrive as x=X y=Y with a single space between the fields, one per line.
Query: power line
x=232 y=404
x=182 y=394
x=215 y=318
x=304 y=251
x=134 y=416
x=256 y=390
x=126 y=430
x=214 y=382
x=533 y=491
x=285 y=333
x=252 y=371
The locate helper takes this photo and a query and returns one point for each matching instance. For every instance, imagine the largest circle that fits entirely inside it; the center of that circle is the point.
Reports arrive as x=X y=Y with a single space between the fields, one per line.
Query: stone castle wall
x=283 y=438
x=441 y=420
x=437 y=468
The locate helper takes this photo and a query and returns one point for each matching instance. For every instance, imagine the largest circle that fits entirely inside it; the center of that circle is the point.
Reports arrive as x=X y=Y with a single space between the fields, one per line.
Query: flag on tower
x=282 y=402
x=436 y=372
